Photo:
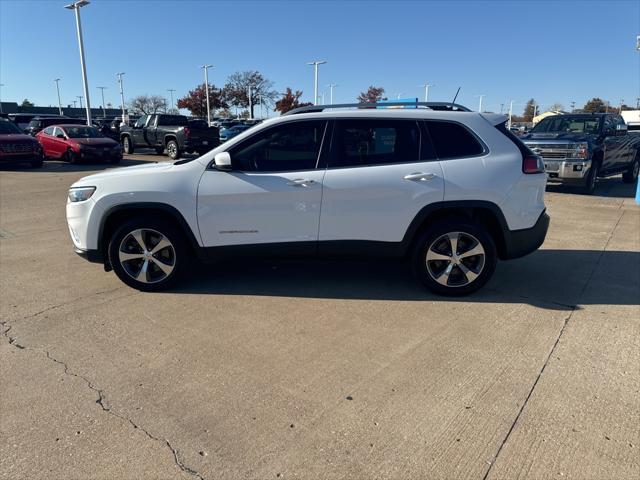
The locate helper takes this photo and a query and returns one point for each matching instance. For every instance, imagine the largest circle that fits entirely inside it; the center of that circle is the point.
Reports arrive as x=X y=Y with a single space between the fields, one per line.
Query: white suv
x=449 y=189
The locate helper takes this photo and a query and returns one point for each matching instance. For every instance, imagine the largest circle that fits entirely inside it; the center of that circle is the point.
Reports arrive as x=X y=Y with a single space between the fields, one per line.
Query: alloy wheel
x=146 y=255
x=455 y=259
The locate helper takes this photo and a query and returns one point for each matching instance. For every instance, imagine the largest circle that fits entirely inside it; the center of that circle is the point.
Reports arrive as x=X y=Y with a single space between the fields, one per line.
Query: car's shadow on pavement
x=549 y=279
x=606 y=187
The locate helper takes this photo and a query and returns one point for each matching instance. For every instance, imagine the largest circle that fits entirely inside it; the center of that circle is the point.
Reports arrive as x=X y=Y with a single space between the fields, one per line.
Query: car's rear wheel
x=127 y=146
x=148 y=253
x=173 y=150
x=454 y=258
x=631 y=175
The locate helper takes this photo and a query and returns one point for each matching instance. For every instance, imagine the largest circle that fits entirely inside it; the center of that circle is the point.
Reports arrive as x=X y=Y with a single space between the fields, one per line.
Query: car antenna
x=454 y=98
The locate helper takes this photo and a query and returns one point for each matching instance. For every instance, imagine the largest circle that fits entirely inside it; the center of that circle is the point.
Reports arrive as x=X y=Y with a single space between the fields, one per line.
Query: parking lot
x=310 y=369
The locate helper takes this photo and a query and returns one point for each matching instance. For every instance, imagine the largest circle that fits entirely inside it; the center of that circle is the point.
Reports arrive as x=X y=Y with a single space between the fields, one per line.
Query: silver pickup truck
x=577 y=149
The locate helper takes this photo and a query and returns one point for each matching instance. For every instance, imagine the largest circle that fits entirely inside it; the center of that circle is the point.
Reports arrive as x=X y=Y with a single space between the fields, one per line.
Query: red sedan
x=75 y=143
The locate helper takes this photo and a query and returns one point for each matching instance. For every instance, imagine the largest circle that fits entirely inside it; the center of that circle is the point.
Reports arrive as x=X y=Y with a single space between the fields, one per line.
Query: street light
x=57 y=80
x=80 y=97
x=315 y=64
x=206 y=86
x=1 y=85
x=426 y=90
x=480 y=103
x=104 y=112
x=399 y=95
x=76 y=7
x=331 y=87
x=171 y=90
x=119 y=75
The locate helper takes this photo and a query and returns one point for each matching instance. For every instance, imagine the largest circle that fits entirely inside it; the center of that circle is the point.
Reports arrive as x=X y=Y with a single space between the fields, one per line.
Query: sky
x=552 y=51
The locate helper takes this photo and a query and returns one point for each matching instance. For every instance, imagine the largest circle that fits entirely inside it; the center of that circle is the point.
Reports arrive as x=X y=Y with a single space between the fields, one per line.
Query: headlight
x=80 y=194
x=581 y=150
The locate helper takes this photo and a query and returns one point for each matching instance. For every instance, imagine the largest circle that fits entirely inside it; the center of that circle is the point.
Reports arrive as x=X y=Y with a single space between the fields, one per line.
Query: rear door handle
x=301 y=182
x=420 y=176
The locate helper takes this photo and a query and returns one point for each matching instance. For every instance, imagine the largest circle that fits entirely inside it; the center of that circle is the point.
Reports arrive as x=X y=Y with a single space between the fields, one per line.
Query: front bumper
x=567 y=169
x=93 y=256
x=519 y=243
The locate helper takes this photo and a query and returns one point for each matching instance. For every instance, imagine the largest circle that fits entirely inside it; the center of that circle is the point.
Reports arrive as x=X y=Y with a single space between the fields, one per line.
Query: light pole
x=80 y=97
x=250 y=104
x=399 y=95
x=206 y=87
x=480 y=102
x=74 y=103
x=510 y=112
x=573 y=106
x=76 y=7
x=315 y=64
x=57 y=80
x=119 y=75
x=171 y=90
x=621 y=103
x=426 y=90
x=331 y=87
x=104 y=112
x=1 y=85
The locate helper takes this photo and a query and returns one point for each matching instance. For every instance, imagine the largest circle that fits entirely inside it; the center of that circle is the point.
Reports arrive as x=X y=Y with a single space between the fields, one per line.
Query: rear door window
x=360 y=143
x=452 y=140
x=48 y=131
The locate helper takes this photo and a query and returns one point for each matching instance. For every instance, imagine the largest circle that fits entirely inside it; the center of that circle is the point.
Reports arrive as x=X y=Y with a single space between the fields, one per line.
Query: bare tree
x=147 y=104
x=556 y=107
x=241 y=84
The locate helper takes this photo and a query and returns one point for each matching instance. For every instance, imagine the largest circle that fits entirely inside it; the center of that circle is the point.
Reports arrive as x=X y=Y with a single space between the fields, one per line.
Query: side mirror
x=621 y=130
x=222 y=161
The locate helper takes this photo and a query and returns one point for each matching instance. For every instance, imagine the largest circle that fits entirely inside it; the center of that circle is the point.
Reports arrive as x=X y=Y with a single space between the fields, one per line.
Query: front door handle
x=301 y=182
x=420 y=176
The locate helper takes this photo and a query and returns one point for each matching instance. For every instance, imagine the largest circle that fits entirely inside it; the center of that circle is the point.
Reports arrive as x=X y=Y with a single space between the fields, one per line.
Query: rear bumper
x=519 y=243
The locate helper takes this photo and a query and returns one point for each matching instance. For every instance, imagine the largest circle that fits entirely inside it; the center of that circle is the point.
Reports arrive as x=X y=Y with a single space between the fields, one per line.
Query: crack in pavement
x=102 y=403
x=553 y=348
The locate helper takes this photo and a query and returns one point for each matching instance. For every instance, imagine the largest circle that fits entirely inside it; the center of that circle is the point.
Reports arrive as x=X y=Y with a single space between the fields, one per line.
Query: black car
x=40 y=123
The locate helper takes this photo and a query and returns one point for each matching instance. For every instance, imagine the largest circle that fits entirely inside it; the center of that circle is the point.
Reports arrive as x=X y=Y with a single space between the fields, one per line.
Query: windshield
x=7 y=128
x=567 y=124
x=83 y=132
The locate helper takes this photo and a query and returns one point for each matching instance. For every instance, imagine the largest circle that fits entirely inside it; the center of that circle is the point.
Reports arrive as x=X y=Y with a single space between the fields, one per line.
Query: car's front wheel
x=148 y=253
x=454 y=258
x=127 y=145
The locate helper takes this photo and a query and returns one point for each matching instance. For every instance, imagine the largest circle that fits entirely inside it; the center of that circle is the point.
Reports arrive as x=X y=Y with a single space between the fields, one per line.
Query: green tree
x=26 y=103
x=596 y=105
x=372 y=95
x=529 y=111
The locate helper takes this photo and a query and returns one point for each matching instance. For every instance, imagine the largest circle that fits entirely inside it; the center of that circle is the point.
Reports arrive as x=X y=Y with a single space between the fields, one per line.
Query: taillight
x=532 y=164
x=187 y=133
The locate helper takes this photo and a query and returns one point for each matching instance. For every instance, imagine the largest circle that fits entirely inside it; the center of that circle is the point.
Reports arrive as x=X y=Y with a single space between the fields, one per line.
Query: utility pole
x=1 y=85
x=57 y=80
x=119 y=75
x=76 y=8
x=510 y=112
x=399 y=95
x=80 y=97
x=501 y=107
x=206 y=87
x=315 y=64
x=480 y=102
x=171 y=90
x=426 y=90
x=573 y=107
x=74 y=103
x=331 y=87
x=104 y=112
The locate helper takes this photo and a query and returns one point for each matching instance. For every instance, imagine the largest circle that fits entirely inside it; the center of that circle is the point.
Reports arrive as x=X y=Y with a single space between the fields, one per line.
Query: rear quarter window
x=452 y=140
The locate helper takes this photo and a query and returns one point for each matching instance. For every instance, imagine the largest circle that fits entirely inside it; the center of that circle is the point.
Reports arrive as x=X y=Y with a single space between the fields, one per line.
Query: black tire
x=631 y=175
x=173 y=150
x=115 y=160
x=159 y=150
x=72 y=157
x=174 y=256
x=127 y=145
x=456 y=282
x=592 y=179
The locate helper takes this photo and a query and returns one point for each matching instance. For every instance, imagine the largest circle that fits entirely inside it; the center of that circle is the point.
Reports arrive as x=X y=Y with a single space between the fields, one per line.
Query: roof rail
x=441 y=106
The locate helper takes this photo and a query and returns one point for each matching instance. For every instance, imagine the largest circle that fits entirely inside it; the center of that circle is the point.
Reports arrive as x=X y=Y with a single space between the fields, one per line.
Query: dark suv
x=40 y=123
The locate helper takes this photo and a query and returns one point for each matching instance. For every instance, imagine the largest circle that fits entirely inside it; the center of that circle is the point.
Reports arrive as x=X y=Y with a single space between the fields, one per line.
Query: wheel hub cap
x=455 y=259
x=147 y=255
